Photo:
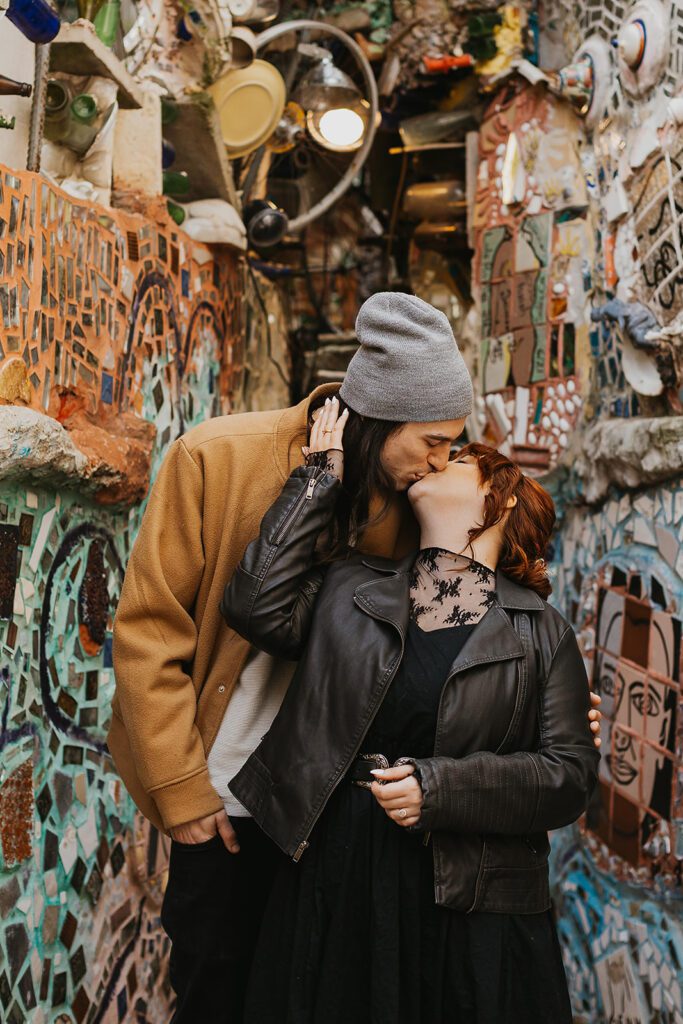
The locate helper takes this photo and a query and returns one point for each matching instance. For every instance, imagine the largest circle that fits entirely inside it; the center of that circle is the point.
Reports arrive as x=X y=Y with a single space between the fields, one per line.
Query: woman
x=416 y=893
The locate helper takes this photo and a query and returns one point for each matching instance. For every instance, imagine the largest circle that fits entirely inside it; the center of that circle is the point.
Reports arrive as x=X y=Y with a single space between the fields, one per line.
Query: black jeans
x=212 y=911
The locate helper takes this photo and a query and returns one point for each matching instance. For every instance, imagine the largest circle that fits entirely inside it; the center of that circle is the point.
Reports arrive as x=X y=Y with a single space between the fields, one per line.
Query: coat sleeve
x=270 y=598
x=154 y=643
x=523 y=792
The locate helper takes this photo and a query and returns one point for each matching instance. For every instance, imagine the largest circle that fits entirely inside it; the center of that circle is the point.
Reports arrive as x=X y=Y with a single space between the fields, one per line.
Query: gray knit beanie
x=408 y=367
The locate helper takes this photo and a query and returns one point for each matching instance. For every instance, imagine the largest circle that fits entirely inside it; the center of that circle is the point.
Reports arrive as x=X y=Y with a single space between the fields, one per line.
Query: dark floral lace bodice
x=449 y=590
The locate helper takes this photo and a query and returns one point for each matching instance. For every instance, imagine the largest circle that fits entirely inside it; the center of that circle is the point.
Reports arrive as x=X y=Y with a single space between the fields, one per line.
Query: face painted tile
x=611 y=621
x=665 y=645
x=625 y=831
x=636 y=632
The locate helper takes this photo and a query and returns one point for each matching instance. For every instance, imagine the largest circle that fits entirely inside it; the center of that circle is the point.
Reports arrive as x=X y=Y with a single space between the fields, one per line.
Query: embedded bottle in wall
x=35 y=19
x=8 y=87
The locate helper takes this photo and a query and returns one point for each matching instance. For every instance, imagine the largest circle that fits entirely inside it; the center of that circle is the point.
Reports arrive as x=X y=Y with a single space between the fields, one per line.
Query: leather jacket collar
x=387 y=598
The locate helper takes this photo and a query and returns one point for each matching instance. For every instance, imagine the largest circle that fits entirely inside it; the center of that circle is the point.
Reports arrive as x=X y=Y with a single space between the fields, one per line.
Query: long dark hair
x=364 y=478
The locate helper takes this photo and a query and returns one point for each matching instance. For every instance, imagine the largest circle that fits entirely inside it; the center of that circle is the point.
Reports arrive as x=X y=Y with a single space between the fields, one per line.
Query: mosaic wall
x=112 y=316
x=532 y=272
x=619 y=574
x=618 y=563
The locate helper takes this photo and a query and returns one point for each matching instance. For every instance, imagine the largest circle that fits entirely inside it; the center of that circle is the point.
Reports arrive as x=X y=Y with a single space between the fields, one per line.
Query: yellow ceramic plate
x=250 y=102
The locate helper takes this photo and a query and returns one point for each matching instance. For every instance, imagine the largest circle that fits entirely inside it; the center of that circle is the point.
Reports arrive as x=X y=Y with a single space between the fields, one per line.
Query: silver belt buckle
x=379 y=760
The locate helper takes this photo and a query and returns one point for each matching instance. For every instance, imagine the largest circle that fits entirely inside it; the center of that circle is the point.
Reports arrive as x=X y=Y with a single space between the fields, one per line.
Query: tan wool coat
x=176 y=662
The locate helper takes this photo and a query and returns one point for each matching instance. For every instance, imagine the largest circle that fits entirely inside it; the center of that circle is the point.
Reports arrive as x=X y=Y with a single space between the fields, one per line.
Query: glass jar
x=57 y=98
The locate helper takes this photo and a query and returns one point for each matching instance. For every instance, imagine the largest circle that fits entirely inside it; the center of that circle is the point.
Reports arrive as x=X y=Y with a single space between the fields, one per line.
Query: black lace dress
x=352 y=934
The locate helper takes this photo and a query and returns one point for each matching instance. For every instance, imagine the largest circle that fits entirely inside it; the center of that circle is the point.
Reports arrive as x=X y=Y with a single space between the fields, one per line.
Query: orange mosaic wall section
x=91 y=298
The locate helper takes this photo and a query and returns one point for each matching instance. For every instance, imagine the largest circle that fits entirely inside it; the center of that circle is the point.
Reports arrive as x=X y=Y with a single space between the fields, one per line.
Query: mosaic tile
x=161 y=339
x=16 y=815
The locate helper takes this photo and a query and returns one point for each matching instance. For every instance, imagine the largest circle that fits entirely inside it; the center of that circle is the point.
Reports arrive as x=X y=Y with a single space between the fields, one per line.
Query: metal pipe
x=304 y=25
x=37 y=121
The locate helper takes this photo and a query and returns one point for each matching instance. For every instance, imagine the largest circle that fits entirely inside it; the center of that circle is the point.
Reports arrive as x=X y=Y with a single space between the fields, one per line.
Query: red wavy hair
x=529 y=523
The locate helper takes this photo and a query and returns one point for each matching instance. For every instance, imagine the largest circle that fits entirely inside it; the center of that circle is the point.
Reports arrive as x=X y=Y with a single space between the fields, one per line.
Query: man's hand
x=594 y=715
x=399 y=793
x=202 y=829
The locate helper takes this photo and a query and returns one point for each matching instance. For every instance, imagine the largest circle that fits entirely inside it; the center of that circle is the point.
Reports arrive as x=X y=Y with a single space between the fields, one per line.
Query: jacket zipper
x=304 y=845
x=295 y=510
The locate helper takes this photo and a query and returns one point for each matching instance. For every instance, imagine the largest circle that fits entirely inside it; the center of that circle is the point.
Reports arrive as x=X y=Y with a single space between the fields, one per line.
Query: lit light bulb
x=341 y=127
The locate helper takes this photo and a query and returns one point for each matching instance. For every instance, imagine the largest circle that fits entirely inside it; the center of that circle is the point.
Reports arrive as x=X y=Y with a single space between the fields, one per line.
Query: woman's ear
x=512 y=501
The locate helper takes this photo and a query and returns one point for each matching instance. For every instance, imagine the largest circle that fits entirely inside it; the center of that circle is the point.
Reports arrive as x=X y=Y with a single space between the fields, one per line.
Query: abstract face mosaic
x=636 y=670
x=619 y=577
x=116 y=315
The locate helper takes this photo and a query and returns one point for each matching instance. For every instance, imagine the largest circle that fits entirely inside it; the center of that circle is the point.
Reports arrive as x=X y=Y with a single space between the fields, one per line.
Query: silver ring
x=403 y=813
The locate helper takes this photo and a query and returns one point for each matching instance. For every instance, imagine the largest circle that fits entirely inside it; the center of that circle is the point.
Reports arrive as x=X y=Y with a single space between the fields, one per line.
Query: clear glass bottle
x=435 y=125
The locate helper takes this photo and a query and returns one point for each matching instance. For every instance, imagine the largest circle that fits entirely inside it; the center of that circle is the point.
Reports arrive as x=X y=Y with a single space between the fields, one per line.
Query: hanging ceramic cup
x=242 y=46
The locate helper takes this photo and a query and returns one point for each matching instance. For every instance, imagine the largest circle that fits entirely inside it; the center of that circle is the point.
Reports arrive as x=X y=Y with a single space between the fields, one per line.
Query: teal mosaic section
x=82 y=874
x=618 y=575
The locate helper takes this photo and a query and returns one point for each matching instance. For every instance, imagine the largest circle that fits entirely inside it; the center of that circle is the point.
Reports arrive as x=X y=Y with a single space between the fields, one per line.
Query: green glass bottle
x=107 y=21
x=82 y=130
x=175 y=211
x=175 y=183
x=169 y=110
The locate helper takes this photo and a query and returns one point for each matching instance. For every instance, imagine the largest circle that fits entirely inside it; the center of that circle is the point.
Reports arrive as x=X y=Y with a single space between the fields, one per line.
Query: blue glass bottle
x=167 y=154
x=35 y=19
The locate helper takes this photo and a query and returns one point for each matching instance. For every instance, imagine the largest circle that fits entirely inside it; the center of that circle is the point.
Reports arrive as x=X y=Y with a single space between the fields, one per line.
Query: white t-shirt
x=254 y=704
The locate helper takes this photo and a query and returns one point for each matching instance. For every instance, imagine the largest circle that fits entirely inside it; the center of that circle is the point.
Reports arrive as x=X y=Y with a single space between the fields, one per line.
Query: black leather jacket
x=514 y=754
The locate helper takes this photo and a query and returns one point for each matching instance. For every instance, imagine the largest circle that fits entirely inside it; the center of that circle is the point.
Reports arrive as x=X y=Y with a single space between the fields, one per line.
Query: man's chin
x=405 y=484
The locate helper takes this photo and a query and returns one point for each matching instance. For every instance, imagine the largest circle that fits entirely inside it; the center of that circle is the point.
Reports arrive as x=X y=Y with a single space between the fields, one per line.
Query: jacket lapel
x=494 y=639
x=387 y=597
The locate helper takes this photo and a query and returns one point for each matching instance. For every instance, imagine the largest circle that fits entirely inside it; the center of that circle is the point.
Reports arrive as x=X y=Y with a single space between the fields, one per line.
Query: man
x=192 y=700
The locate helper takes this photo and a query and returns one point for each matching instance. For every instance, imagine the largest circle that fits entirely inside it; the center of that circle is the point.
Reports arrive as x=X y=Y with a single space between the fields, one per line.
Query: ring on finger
x=403 y=813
